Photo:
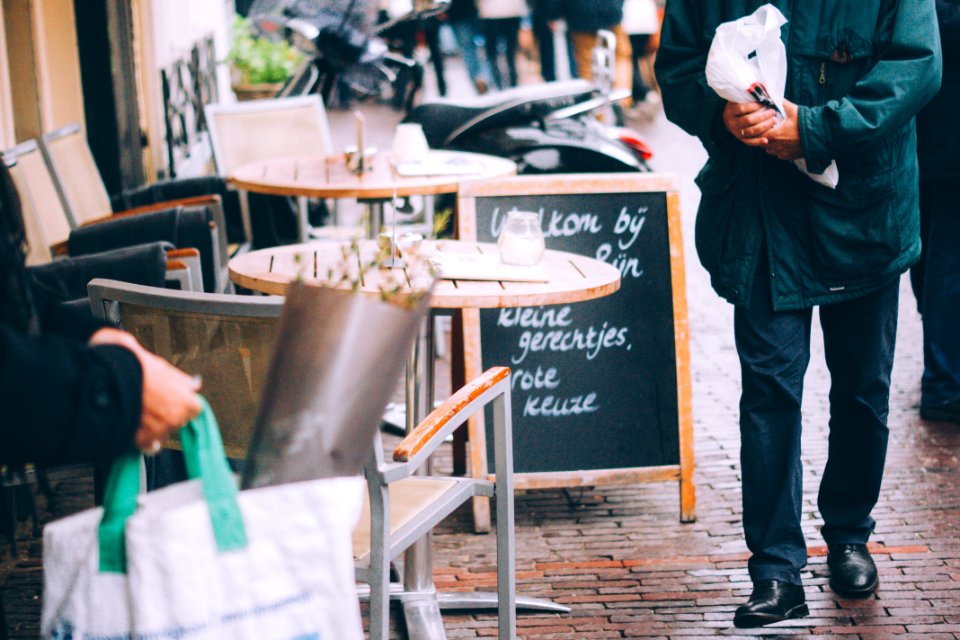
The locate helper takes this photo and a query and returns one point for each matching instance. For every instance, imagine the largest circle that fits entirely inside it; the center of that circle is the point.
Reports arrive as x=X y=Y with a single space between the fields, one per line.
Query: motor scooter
x=545 y=128
x=346 y=58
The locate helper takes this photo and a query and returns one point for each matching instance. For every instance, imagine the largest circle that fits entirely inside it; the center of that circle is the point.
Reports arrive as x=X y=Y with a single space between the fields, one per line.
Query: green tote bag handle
x=205 y=459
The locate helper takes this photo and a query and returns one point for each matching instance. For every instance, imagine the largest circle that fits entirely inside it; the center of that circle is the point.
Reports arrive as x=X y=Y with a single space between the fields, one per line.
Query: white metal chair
x=256 y=130
x=226 y=339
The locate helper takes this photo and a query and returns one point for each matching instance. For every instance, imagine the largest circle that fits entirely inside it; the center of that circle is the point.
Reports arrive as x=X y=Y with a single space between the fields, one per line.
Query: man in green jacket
x=776 y=244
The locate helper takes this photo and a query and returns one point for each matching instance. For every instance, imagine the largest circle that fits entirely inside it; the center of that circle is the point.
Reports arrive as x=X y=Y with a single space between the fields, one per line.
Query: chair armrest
x=425 y=435
x=193 y=201
x=61 y=248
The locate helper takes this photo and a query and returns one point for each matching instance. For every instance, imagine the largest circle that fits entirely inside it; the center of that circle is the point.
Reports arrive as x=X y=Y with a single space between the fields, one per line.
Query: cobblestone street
x=619 y=556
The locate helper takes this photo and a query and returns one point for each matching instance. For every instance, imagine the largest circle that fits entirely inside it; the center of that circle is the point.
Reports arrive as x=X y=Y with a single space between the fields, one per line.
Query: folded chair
x=49 y=228
x=245 y=132
x=85 y=201
x=228 y=339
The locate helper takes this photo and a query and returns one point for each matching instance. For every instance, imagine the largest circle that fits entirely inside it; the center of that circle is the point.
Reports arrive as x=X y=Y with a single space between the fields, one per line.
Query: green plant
x=356 y=269
x=258 y=60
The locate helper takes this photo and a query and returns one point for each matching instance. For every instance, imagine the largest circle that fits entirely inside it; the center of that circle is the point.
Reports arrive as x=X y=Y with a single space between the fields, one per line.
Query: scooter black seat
x=445 y=119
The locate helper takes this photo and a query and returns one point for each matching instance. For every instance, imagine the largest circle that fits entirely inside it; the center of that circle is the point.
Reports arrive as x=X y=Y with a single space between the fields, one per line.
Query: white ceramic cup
x=409 y=144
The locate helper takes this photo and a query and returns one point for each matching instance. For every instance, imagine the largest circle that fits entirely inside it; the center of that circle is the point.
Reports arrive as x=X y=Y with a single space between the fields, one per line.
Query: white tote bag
x=79 y=599
x=205 y=562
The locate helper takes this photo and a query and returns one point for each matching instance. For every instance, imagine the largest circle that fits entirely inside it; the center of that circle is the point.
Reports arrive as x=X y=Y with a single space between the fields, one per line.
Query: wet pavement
x=620 y=558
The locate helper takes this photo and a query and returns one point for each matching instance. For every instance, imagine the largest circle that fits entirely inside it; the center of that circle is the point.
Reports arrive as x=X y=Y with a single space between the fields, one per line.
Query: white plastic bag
x=200 y=561
x=748 y=63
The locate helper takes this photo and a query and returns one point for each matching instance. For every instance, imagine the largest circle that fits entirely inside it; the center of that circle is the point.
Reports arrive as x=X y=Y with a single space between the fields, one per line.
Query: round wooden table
x=571 y=278
x=328 y=177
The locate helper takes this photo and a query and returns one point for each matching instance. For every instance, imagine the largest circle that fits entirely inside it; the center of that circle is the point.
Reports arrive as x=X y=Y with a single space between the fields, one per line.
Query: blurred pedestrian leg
x=640 y=22
x=936 y=277
x=501 y=29
x=431 y=34
x=638 y=48
x=543 y=33
x=938 y=294
x=497 y=32
x=468 y=32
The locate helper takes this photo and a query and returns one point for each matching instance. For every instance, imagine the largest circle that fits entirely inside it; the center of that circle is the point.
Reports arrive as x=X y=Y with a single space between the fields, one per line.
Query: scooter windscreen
x=356 y=16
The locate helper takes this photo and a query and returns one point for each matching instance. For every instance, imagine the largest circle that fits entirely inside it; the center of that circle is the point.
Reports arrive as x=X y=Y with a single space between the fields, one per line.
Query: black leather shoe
x=852 y=571
x=771 y=601
x=946 y=412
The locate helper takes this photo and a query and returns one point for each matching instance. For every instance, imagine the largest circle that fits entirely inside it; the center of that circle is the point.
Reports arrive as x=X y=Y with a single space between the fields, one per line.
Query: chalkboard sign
x=600 y=389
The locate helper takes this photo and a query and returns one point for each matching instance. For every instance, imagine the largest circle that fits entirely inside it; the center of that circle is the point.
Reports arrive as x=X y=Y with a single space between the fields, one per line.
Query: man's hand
x=749 y=122
x=169 y=398
x=784 y=140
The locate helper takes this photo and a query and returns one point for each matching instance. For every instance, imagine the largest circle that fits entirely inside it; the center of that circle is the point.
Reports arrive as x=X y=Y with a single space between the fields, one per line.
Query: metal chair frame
x=410 y=457
x=225 y=166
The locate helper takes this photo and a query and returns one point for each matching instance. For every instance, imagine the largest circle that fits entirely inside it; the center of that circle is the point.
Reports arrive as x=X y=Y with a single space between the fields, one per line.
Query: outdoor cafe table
x=572 y=278
x=327 y=176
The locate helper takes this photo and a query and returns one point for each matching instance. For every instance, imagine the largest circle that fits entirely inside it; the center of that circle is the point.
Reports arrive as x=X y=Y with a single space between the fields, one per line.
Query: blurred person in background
x=936 y=278
x=544 y=22
x=584 y=19
x=777 y=244
x=74 y=389
x=403 y=37
x=640 y=23
x=501 y=30
x=465 y=22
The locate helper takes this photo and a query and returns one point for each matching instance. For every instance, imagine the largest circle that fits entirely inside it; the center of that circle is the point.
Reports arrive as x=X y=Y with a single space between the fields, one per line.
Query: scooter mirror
x=302 y=34
x=421 y=6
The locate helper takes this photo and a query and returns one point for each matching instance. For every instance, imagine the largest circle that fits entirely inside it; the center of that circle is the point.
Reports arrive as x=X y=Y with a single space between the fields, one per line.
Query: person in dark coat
x=776 y=244
x=936 y=278
x=72 y=388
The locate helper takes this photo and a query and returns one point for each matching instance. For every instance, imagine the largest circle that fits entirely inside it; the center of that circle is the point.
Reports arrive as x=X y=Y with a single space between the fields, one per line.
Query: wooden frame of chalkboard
x=637 y=427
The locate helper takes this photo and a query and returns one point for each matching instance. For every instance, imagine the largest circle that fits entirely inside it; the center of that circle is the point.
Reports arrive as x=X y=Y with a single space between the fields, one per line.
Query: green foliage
x=259 y=60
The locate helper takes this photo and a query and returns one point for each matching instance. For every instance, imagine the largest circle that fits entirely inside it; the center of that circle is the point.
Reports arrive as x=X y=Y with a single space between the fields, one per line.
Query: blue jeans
x=467 y=32
x=936 y=283
x=774 y=349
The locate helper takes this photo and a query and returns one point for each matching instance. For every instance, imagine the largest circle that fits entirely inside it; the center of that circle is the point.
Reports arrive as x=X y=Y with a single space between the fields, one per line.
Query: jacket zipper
x=823 y=73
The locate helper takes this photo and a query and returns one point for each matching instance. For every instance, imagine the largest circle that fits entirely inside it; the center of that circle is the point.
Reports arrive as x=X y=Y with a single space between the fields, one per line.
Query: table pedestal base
x=421 y=609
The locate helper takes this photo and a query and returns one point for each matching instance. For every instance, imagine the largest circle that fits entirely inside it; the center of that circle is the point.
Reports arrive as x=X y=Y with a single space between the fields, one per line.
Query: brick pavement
x=621 y=560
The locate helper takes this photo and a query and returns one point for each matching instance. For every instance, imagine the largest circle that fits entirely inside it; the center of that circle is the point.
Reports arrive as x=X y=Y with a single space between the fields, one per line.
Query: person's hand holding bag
x=169 y=397
x=783 y=141
x=747 y=65
x=749 y=122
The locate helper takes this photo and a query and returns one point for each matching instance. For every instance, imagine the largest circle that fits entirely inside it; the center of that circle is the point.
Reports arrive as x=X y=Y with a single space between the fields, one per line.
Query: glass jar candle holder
x=521 y=239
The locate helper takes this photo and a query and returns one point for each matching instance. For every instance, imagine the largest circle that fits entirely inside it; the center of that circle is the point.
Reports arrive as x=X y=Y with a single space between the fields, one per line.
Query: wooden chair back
x=227 y=339
x=46 y=220
x=71 y=162
x=246 y=132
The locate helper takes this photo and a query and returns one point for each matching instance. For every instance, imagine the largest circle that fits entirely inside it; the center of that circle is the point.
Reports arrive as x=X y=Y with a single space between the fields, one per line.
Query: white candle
x=521 y=250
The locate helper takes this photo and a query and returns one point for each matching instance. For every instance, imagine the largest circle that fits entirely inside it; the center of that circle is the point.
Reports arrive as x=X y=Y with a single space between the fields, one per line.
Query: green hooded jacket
x=859 y=70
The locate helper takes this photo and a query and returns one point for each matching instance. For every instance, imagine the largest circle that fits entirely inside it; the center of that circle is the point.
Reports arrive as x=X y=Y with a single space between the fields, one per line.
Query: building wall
x=58 y=64
x=40 y=88
x=168 y=29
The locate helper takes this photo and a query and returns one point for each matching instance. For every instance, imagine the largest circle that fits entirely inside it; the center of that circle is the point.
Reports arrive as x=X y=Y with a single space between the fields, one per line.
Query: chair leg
x=8 y=516
x=380 y=602
x=506 y=554
x=3 y=617
x=379 y=561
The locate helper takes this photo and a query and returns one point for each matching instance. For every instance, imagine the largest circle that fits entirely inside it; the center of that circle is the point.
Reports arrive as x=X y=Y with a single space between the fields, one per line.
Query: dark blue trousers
x=936 y=283
x=774 y=349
